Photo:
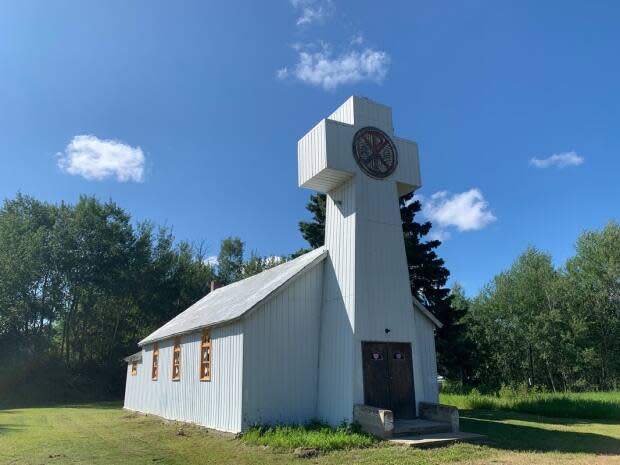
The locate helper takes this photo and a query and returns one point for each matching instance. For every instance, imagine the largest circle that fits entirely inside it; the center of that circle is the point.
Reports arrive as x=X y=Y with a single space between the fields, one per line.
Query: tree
x=594 y=279
x=462 y=360
x=314 y=231
x=230 y=260
x=79 y=286
x=257 y=264
x=522 y=331
x=427 y=277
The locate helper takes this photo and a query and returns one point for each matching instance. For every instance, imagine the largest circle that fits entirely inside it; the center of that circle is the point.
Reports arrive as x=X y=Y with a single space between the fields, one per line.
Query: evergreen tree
x=314 y=231
x=427 y=278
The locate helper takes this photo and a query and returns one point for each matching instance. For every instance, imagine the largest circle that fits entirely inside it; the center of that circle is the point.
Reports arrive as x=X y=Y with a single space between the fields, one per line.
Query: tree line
x=557 y=327
x=81 y=283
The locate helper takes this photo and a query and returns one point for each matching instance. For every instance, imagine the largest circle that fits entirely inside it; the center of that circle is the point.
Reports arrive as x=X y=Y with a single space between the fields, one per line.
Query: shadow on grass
x=527 y=438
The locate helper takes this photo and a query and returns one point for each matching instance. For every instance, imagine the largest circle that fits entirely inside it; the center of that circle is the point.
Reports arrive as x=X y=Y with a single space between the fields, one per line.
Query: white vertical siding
x=335 y=389
x=344 y=113
x=382 y=284
x=281 y=346
x=425 y=360
x=361 y=111
x=215 y=404
x=311 y=153
x=408 y=166
x=315 y=170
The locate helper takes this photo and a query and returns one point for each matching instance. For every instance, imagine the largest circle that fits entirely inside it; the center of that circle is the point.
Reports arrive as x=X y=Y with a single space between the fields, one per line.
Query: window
x=176 y=360
x=155 y=368
x=205 y=356
x=134 y=368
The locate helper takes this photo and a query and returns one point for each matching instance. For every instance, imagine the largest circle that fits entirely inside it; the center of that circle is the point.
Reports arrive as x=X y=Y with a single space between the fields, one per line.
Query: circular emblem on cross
x=374 y=152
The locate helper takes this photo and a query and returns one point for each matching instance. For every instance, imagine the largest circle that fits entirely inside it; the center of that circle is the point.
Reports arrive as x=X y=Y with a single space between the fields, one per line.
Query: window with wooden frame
x=134 y=368
x=155 y=365
x=176 y=359
x=205 y=356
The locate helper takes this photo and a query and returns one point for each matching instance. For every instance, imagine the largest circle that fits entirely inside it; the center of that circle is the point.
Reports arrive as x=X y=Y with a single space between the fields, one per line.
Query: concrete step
x=437 y=439
x=419 y=426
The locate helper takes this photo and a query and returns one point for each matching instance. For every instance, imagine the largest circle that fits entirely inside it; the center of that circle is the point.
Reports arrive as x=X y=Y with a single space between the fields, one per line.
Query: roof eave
x=426 y=313
x=225 y=322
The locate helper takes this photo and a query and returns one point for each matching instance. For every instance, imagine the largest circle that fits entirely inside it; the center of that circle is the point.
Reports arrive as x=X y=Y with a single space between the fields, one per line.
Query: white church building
x=315 y=336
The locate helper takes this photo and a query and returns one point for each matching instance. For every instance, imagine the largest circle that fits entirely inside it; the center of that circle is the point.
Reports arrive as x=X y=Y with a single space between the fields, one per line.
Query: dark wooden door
x=388 y=377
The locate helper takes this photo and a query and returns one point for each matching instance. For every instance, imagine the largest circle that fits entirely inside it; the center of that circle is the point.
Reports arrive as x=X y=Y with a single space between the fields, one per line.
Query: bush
x=314 y=435
x=452 y=387
x=28 y=381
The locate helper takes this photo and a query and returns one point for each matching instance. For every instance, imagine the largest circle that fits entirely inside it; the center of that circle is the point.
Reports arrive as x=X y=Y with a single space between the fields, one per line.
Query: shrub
x=314 y=435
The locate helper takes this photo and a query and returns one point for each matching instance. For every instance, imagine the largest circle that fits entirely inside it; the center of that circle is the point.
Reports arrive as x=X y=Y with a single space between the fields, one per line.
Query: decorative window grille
x=205 y=356
x=176 y=359
x=155 y=366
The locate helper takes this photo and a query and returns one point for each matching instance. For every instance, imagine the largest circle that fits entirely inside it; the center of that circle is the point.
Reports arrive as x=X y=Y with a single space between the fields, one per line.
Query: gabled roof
x=231 y=302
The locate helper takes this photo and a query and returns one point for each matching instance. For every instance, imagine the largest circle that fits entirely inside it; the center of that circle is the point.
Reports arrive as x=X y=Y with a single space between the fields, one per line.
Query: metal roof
x=231 y=302
x=137 y=357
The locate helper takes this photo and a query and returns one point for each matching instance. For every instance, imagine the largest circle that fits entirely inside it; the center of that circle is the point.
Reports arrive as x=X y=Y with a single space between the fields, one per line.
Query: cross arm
x=325 y=159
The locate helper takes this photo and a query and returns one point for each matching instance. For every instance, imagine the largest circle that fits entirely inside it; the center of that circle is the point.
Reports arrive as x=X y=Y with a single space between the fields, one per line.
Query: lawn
x=105 y=434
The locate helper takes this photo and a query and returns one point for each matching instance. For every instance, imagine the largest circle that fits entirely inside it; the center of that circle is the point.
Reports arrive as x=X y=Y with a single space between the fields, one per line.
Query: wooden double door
x=388 y=377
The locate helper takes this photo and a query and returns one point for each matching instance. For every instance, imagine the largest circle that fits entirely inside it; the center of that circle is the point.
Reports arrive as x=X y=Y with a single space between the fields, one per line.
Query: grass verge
x=583 y=405
x=314 y=435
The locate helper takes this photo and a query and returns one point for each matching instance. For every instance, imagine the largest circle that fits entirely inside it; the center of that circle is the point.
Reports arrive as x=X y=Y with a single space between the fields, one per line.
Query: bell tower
x=354 y=157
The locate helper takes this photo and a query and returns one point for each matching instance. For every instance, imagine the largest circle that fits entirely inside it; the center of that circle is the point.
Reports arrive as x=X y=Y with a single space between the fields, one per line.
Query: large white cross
x=366 y=293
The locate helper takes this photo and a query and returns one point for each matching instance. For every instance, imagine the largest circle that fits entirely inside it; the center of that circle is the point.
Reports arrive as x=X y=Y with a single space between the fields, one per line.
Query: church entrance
x=388 y=377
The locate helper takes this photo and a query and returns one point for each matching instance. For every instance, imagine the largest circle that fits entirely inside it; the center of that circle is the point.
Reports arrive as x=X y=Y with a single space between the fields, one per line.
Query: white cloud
x=439 y=235
x=312 y=11
x=466 y=211
x=212 y=260
x=94 y=158
x=324 y=70
x=559 y=160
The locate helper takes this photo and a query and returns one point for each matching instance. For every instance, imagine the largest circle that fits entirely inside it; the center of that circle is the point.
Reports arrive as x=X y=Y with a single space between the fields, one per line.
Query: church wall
x=281 y=346
x=335 y=389
x=215 y=404
x=425 y=359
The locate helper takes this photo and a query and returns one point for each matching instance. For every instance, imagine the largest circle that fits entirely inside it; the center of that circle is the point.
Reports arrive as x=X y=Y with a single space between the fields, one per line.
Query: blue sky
x=206 y=101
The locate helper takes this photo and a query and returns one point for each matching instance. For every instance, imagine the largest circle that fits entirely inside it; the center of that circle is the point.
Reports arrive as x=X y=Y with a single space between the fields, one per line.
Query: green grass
x=586 y=405
x=101 y=434
x=313 y=435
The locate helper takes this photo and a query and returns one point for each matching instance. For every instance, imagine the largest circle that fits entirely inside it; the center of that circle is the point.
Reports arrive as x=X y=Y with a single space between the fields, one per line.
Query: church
x=321 y=335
